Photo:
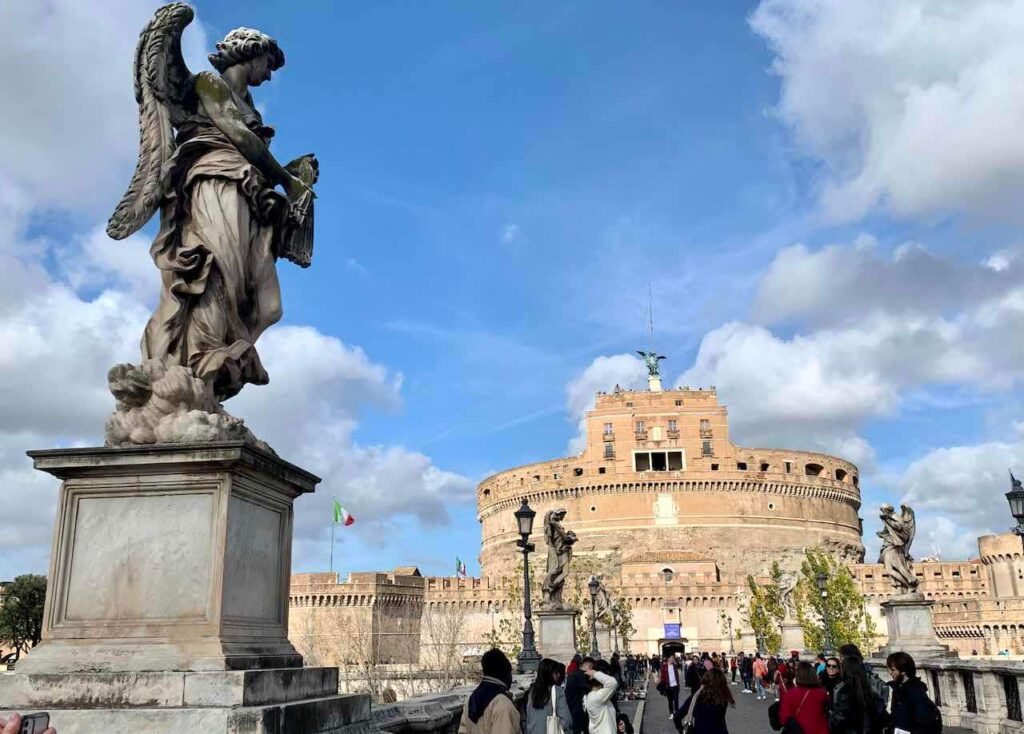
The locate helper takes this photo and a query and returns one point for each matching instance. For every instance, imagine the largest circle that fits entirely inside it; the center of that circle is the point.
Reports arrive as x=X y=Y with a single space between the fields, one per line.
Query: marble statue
x=205 y=164
x=602 y=600
x=651 y=360
x=897 y=534
x=787 y=585
x=560 y=542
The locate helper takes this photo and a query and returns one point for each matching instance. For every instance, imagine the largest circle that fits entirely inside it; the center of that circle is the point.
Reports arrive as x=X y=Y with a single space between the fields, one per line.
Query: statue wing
x=162 y=81
x=910 y=523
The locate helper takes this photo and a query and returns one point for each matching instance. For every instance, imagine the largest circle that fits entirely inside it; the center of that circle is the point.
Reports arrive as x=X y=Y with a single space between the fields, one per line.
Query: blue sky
x=822 y=198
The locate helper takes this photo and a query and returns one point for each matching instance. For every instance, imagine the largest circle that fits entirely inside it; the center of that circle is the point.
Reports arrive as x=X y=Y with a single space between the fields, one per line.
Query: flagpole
x=333 y=526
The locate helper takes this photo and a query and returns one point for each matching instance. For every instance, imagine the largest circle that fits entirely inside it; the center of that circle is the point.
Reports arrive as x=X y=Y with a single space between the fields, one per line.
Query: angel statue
x=560 y=542
x=205 y=164
x=897 y=534
x=651 y=360
x=787 y=586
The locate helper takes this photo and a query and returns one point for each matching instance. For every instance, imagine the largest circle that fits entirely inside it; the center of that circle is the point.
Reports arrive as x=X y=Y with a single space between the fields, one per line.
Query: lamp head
x=524 y=519
x=594 y=585
x=821 y=581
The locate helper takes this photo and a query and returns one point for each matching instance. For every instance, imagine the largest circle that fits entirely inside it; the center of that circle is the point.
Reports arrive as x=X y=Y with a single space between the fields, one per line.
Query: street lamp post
x=529 y=658
x=594 y=585
x=731 y=648
x=821 y=580
x=1016 y=499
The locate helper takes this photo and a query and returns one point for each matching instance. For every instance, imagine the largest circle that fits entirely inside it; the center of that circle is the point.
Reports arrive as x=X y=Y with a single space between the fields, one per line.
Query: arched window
x=814 y=470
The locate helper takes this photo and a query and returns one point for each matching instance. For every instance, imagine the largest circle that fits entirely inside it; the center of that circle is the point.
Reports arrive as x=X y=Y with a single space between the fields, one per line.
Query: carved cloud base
x=168 y=405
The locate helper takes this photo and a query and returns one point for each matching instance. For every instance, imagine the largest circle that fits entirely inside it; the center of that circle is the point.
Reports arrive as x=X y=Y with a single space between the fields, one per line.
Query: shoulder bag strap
x=806 y=693
x=693 y=705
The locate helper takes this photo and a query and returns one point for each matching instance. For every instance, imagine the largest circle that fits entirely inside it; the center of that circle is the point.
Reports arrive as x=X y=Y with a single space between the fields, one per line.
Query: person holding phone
x=13 y=724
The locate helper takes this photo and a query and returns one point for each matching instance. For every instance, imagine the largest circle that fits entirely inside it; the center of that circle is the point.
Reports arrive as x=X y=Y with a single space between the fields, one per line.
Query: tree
x=21 y=612
x=764 y=611
x=843 y=606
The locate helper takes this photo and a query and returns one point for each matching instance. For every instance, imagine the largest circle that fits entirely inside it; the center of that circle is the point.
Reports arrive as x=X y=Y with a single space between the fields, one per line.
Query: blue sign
x=672 y=631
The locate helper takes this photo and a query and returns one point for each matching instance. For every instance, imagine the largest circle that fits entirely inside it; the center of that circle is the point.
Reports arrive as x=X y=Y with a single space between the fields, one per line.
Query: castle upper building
x=659 y=473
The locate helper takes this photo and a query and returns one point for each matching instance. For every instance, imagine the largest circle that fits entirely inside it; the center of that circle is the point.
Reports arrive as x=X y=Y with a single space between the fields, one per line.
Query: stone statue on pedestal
x=560 y=542
x=205 y=164
x=897 y=534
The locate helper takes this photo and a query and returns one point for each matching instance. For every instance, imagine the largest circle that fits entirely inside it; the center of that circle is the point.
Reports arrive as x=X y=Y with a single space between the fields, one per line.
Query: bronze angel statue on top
x=206 y=166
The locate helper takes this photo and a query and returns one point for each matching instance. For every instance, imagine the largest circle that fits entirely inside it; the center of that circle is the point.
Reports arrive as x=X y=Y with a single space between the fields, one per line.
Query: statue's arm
x=215 y=97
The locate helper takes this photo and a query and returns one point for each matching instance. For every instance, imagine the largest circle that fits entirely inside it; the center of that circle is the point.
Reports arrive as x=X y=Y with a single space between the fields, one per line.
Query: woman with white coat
x=598 y=703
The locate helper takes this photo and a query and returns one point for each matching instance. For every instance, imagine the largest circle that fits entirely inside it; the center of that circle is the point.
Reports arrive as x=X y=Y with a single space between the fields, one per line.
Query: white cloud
x=876 y=328
x=604 y=373
x=965 y=482
x=510 y=234
x=912 y=106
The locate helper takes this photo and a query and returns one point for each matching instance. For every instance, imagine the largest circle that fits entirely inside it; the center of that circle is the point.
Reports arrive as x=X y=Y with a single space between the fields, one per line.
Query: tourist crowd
x=831 y=695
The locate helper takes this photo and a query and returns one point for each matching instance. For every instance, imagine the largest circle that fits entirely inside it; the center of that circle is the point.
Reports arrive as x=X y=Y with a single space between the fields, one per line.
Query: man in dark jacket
x=912 y=710
x=577 y=685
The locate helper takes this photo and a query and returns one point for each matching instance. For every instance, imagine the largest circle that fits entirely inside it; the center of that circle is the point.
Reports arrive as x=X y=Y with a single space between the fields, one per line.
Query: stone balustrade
x=435 y=713
x=982 y=695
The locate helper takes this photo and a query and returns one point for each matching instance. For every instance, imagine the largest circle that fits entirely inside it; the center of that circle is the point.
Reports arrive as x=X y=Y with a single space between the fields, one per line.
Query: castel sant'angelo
x=676 y=517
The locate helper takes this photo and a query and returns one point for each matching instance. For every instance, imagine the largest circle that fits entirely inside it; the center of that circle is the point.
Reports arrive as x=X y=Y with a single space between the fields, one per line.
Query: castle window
x=639 y=426
x=556 y=475
x=679 y=402
x=487 y=493
x=675 y=460
x=536 y=477
x=629 y=405
x=840 y=475
x=765 y=467
x=642 y=461
x=705 y=427
x=714 y=467
x=856 y=481
x=601 y=470
x=705 y=449
x=659 y=461
x=609 y=451
x=741 y=465
x=577 y=472
x=813 y=470
x=608 y=429
x=673 y=425
x=789 y=467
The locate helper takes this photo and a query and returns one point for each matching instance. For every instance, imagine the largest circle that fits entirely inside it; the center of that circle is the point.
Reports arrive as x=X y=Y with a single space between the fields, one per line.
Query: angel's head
x=257 y=51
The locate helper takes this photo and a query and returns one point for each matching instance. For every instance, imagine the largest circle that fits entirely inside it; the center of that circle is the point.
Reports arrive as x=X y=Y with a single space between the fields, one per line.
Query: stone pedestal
x=911 y=630
x=167 y=603
x=792 y=638
x=557 y=633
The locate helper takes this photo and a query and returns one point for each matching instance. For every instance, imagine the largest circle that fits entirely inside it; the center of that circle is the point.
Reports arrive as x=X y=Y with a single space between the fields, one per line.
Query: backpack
x=933 y=719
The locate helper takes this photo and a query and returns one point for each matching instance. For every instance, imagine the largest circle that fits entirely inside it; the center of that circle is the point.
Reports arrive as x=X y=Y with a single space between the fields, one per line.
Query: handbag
x=687 y=725
x=553 y=725
x=792 y=726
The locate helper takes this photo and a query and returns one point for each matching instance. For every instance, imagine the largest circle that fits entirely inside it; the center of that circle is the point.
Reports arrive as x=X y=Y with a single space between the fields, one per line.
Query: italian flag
x=341 y=514
x=460 y=567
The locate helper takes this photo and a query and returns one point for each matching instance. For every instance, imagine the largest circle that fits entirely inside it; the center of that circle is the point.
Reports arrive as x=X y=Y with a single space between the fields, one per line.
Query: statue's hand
x=294 y=187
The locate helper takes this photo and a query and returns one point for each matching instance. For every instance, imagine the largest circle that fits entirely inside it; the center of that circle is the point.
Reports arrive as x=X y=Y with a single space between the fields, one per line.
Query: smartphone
x=34 y=723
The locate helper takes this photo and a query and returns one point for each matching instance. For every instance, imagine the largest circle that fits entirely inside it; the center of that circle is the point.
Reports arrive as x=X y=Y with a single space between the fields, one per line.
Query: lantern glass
x=594 y=585
x=1016 y=499
x=821 y=580
x=524 y=519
